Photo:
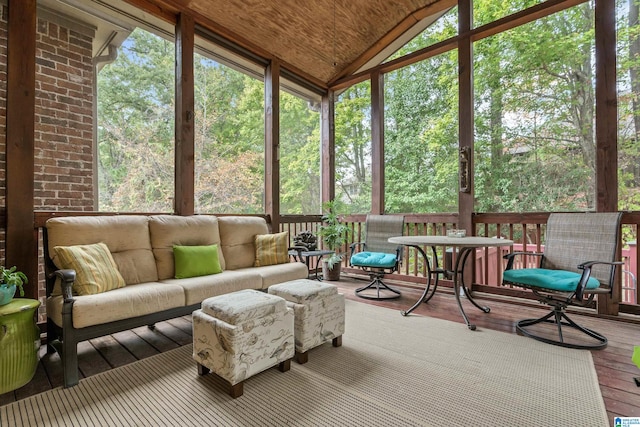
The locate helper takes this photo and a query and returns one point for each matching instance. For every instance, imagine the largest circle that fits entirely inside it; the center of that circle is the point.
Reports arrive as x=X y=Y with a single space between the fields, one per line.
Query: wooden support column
x=328 y=147
x=272 y=143
x=184 y=116
x=465 y=118
x=606 y=126
x=377 y=143
x=21 y=247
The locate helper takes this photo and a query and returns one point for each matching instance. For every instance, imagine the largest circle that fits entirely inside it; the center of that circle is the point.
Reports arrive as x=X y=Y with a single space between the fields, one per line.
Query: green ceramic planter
x=6 y=294
x=19 y=343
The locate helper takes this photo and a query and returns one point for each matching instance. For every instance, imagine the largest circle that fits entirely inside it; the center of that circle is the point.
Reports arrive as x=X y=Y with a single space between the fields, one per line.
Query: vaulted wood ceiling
x=320 y=40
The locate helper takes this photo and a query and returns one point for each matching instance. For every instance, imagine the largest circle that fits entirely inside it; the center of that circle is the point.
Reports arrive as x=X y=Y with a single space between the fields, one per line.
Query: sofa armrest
x=67 y=277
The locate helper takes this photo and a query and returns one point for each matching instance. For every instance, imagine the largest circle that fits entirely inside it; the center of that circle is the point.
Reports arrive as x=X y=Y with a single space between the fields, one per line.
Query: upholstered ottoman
x=319 y=313
x=240 y=334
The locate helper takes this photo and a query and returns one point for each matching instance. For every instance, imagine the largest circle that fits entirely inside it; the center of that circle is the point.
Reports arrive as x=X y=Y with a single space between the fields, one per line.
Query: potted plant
x=10 y=281
x=334 y=234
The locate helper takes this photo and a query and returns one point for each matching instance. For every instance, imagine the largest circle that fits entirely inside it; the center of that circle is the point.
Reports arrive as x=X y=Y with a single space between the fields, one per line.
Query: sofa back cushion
x=126 y=236
x=168 y=231
x=237 y=235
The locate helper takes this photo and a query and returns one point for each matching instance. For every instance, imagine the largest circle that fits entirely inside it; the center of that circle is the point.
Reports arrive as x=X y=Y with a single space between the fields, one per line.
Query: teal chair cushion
x=374 y=259
x=557 y=280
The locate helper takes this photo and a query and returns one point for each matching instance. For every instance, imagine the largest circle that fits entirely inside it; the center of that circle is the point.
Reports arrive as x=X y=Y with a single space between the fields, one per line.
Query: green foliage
x=10 y=277
x=334 y=233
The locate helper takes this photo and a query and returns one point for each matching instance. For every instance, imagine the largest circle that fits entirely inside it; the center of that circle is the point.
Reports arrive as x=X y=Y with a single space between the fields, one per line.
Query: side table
x=19 y=343
x=306 y=257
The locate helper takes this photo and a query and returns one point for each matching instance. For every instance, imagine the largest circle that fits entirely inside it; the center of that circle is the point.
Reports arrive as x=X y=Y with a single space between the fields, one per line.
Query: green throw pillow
x=193 y=261
x=272 y=249
x=96 y=271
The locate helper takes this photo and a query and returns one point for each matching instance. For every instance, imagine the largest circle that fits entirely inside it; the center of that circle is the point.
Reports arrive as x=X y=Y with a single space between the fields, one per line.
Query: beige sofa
x=142 y=248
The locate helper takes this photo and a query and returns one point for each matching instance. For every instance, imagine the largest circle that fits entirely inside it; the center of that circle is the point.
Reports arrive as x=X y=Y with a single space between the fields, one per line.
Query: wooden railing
x=526 y=230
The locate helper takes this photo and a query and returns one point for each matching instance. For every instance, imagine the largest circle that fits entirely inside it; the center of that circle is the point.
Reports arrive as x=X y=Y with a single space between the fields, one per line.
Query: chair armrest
x=67 y=277
x=511 y=257
x=586 y=273
x=354 y=245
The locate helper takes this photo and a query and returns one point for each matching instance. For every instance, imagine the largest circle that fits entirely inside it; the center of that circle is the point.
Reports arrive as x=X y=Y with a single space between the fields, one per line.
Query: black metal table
x=466 y=246
x=307 y=257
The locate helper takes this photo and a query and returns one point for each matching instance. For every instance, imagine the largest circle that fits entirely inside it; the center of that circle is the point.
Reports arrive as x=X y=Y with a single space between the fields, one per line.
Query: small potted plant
x=334 y=234
x=10 y=281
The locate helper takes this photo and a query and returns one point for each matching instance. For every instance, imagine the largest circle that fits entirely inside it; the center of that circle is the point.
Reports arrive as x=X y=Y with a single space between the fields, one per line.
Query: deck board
x=613 y=364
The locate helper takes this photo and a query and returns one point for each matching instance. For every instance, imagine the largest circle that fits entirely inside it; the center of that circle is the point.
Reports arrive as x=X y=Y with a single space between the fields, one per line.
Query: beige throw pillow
x=272 y=249
x=96 y=271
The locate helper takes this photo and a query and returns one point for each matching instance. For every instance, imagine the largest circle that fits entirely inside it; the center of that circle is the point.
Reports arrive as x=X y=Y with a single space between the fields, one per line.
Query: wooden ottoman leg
x=285 y=366
x=202 y=370
x=337 y=341
x=236 y=390
x=302 y=358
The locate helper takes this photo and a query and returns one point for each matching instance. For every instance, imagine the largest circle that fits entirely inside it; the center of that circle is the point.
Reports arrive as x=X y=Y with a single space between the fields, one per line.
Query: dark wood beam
x=395 y=33
x=465 y=114
x=21 y=247
x=377 y=143
x=328 y=148
x=184 y=116
x=508 y=22
x=272 y=143
x=606 y=126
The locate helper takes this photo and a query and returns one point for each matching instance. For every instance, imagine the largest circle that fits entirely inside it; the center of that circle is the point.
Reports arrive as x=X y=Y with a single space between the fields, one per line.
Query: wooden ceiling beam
x=507 y=23
x=392 y=36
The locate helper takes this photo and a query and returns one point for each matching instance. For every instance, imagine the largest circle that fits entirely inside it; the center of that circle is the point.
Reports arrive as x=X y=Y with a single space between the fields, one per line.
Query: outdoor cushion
x=272 y=249
x=237 y=236
x=374 y=259
x=194 y=261
x=557 y=280
x=96 y=271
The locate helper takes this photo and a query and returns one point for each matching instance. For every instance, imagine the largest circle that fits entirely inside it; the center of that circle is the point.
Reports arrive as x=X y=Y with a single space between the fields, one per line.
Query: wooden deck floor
x=613 y=364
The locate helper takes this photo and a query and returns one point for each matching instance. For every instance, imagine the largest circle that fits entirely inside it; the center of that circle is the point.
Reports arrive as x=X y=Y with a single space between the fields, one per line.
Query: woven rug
x=390 y=371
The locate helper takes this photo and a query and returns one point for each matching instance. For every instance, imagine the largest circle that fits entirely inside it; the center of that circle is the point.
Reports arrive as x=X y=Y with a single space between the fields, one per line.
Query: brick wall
x=64 y=119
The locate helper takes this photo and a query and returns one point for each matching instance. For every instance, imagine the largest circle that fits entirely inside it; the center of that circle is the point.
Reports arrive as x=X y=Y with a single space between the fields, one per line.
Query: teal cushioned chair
x=578 y=263
x=377 y=256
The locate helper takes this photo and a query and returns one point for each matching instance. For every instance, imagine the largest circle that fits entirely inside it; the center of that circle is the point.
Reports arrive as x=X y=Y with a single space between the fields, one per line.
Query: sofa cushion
x=95 y=268
x=167 y=231
x=126 y=236
x=278 y=273
x=197 y=289
x=237 y=235
x=124 y=303
x=271 y=249
x=194 y=261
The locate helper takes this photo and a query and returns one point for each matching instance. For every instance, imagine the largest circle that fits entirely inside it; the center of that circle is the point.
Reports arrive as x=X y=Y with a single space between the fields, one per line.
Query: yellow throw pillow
x=272 y=249
x=96 y=271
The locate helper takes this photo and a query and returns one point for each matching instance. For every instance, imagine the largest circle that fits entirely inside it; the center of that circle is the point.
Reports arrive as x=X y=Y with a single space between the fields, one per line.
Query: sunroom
x=465 y=115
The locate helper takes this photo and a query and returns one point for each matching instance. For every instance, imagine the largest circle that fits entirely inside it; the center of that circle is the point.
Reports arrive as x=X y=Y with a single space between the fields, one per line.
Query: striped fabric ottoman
x=319 y=313
x=242 y=333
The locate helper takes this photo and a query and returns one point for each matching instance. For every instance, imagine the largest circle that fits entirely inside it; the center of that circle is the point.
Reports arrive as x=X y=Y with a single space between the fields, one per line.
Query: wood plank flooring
x=613 y=364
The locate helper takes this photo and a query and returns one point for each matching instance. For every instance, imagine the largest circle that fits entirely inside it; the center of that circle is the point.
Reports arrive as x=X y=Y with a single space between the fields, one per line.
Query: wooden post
x=465 y=123
x=377 y=143
x=465 y=118
x=184 y=116
x=328 y=147
x=272 y=143
x=606 y=127
x=21 y=247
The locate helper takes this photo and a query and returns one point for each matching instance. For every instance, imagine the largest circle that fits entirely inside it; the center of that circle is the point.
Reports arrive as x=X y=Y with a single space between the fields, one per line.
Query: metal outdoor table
x=465 y=246
x=306 y=257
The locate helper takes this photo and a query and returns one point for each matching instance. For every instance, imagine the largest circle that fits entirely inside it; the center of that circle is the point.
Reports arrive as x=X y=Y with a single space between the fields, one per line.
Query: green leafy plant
x=10 y=277
x=333 y=232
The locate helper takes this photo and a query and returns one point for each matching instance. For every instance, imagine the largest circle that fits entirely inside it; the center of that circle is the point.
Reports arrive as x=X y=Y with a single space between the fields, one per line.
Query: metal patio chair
x=578 y=263
x=377 y=256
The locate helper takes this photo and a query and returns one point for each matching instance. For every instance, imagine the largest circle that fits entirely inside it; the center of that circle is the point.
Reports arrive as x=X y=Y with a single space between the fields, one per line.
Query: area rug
x=390 y=371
